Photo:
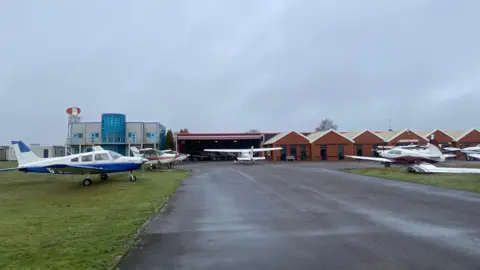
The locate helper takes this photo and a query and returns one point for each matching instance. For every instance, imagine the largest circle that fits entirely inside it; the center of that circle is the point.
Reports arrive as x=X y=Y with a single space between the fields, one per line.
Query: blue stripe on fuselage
x=105 y=168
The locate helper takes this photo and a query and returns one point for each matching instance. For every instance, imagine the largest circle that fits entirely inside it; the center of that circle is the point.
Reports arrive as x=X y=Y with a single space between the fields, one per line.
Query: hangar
x=293 y=143
x=194 y=143
x=324 y=145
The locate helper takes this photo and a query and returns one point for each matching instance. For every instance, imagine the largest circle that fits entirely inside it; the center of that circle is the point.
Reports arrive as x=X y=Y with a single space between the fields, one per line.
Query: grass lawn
x=54 y=222
x=467 y=182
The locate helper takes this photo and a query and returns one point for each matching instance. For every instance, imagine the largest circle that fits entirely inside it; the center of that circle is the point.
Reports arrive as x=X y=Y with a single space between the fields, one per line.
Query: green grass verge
x=54 y=222
x=467 y=182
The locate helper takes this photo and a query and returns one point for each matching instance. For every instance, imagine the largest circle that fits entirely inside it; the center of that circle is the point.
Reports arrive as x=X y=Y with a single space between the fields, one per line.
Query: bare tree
x=326 y=124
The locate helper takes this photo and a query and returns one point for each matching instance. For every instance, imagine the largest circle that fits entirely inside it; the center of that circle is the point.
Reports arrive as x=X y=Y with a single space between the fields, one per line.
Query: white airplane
x=418 y=160
x=246 y=155
x=155 y=157
x=473 y=151
x=180 y=157
x=99 y=161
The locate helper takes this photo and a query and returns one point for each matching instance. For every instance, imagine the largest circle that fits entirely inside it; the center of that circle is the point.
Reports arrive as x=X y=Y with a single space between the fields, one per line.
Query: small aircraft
x=473 y=151
x=410 y=157
x=99 y=161
x=180 y=157
x=246 y=155
x=155 y=157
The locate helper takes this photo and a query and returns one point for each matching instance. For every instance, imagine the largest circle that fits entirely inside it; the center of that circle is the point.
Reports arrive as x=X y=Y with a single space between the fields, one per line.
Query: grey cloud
x=235 y=65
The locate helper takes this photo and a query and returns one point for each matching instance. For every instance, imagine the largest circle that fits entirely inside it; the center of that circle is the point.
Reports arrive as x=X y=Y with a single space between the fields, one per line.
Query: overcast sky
x=217 y=65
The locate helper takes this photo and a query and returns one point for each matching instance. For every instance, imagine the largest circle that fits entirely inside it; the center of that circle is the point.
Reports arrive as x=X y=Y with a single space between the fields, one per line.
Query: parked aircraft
x=419 y=160
x=430 y=154
x=155 y=157
x=473 y=151
x=246 y=155
x=180 y=157
x=98 y=161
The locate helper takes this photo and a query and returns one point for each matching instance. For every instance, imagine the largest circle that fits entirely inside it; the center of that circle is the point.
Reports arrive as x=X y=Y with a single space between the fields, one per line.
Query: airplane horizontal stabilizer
x=474 y=155
x=429 y=168
x=226 y=150
x=8 y=169
x=378 y=159
x=266 y=149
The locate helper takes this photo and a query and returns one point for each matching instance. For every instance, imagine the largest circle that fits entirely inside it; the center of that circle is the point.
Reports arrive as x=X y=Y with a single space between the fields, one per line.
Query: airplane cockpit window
x=146 y=154
x=398 y=152
x=392 y=152
x=102 y=156
x=114 y=155
x=87 y=158
x=74 y=159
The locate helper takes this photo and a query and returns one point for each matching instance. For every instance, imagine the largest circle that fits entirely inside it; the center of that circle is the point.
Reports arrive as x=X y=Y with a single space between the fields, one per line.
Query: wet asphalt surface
x=308 y=216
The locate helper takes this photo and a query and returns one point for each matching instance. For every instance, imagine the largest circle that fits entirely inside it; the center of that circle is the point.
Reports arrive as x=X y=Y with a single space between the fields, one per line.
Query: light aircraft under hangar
x=246 y=155
x=417 y=160
x=99 y=161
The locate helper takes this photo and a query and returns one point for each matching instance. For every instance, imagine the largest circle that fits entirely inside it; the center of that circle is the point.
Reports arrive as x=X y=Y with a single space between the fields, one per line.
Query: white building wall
x=38 y=150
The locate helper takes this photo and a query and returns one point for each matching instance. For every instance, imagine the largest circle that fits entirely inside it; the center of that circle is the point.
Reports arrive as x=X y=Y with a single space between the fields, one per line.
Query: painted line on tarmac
x=268 y=189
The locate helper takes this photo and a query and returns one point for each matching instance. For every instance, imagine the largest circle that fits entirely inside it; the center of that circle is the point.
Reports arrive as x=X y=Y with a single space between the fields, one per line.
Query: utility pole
x=390 y=125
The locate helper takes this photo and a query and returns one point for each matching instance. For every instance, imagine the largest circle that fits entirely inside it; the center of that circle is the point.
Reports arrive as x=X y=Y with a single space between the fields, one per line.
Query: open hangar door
x=194 y=144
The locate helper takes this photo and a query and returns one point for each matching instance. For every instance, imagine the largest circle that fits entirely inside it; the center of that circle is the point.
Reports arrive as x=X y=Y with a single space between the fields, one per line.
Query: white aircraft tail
x=135 y=151
x=23 y=153
x=434 y=147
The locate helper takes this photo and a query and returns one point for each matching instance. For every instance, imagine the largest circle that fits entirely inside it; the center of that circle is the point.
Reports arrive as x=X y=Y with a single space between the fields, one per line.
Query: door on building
x=283 y=153
x=45 y=153
x=341 y=153
x=293 y=150
x=303 y=152
x=359 y=150
x=323 y=151
x=375 y=148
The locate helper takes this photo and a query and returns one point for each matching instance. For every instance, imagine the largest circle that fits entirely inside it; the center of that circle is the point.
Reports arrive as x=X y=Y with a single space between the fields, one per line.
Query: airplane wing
x=378 y=159
x=226 y=150
x=75 y=169
x=449 y=155
x=8 y=169
x=429 y=168
x=266 y=149
x=474 y=155
x=248 y=159
x=452 y=149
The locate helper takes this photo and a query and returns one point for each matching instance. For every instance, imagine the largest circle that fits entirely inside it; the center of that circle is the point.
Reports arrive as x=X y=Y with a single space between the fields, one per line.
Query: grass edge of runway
x=465 y=182
x=53 y=222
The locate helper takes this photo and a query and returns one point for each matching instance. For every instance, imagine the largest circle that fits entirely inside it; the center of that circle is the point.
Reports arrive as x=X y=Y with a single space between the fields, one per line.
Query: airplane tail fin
x=135 y=151
x=434 y=146
x=23 y=153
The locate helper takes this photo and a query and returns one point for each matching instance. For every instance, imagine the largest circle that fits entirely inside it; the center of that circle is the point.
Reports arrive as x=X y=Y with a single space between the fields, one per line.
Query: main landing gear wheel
x=103 y=177
x=87 y=182
x=132 y=178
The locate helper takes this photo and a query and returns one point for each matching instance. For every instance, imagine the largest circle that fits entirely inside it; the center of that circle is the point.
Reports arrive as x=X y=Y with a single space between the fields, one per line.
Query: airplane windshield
x=114 y=155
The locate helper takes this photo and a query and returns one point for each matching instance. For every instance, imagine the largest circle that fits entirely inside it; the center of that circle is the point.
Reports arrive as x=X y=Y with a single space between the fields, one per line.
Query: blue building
x=116 y=134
